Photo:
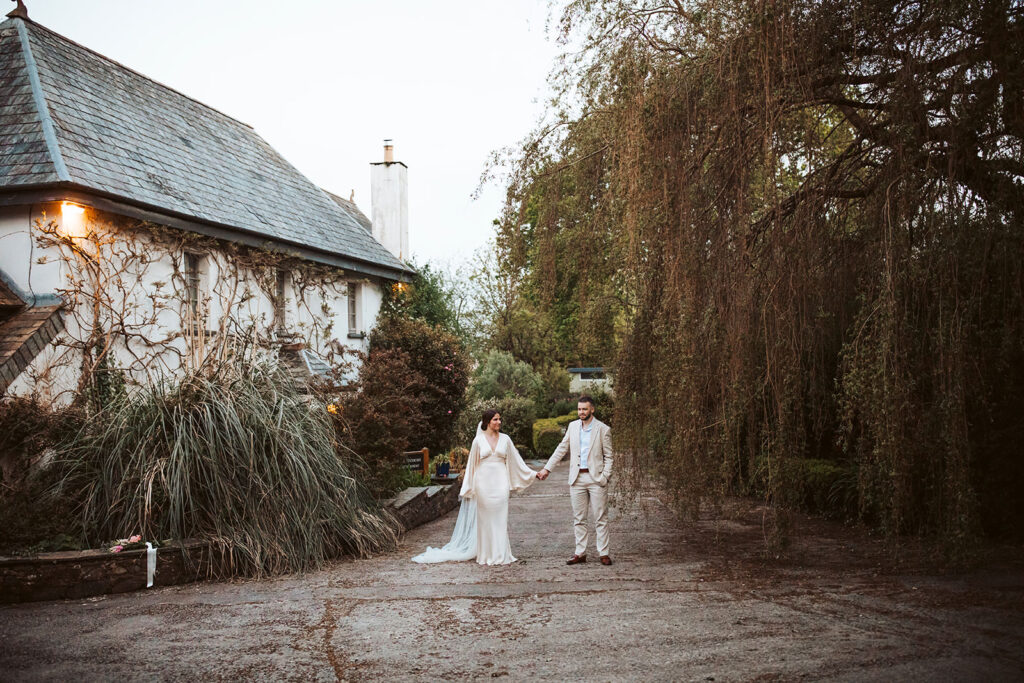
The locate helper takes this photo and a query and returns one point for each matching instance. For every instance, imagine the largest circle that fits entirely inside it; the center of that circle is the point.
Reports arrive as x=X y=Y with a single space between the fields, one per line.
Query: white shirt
x=585 y=444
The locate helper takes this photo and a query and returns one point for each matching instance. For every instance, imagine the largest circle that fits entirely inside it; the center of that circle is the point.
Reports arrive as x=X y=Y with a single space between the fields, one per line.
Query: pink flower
x=135 y=539
x=117 y=549
x=449 y=412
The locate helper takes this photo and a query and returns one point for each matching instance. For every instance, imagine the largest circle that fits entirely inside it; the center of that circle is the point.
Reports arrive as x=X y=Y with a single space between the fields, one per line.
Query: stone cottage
x=145 y=231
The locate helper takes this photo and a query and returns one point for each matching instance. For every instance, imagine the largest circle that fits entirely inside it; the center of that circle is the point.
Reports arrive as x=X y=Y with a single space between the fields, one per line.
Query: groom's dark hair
x=586 y=399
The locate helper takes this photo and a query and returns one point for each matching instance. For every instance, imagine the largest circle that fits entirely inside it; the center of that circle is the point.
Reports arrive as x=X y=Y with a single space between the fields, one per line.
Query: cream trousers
x=588 y=496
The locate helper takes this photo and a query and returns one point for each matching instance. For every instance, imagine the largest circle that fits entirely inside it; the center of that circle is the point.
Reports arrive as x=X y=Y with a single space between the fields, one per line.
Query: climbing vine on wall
x=129 y=309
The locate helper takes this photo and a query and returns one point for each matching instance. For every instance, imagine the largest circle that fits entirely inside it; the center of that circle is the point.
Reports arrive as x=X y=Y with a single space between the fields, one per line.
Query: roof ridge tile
x=39 y=99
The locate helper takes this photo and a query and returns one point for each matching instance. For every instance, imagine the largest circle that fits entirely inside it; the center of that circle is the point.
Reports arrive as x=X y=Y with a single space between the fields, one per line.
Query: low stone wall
x=82 y=573
x=421 y=504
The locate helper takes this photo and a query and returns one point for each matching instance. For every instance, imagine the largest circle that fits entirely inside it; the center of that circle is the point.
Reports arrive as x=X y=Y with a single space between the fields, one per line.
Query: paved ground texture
x=682 y=602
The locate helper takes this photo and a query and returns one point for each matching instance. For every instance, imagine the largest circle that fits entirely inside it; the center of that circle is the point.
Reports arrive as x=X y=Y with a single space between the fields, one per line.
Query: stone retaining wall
x=81 y=573
x=422 y=504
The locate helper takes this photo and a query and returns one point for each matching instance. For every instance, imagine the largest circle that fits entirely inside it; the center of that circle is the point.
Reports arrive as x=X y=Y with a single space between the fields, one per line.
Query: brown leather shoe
x=577 y=559
x=605 y=559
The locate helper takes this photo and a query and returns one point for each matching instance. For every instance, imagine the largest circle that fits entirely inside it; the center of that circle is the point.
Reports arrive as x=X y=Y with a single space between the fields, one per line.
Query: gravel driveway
x=694 y=601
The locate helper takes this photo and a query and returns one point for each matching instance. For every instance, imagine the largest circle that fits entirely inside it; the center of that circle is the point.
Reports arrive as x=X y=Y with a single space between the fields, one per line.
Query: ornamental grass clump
x=232 y=455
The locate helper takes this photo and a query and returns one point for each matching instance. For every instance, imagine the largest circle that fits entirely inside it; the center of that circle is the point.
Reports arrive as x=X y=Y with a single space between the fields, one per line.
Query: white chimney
x=389 y=203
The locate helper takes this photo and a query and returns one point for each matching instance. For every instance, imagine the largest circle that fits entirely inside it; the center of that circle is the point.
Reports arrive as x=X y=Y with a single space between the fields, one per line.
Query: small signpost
x=418 y=461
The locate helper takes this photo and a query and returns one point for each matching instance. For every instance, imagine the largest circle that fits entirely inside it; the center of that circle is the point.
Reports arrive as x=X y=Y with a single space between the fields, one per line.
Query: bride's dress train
x=463 y=543
x=481 y=530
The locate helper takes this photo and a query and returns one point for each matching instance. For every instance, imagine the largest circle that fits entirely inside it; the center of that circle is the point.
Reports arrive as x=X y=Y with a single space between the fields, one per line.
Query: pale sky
x=325 y=82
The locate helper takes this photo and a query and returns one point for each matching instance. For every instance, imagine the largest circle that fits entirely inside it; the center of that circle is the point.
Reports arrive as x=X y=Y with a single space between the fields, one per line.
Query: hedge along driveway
x=548 y=433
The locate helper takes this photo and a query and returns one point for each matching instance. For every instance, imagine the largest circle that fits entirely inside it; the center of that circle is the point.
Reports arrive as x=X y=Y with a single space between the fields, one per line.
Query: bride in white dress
x=494 y=469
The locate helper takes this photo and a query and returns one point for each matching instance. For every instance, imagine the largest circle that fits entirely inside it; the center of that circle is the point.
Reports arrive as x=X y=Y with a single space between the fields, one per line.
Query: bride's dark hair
x=486 y=418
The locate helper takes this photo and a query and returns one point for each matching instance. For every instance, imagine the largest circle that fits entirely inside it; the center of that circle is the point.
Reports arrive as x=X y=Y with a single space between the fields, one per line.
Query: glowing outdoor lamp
x=73 y=221
x=68 y=209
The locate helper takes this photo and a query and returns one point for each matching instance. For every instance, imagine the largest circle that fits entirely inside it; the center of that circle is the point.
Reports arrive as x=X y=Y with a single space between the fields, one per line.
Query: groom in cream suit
x=589 y=444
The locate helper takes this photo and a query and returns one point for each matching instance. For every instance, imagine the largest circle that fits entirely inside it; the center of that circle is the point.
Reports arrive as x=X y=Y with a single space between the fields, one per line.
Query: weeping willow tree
x=800 y=224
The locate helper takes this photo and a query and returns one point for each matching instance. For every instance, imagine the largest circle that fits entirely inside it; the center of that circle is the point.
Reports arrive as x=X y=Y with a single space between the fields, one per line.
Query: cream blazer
x=599 y=459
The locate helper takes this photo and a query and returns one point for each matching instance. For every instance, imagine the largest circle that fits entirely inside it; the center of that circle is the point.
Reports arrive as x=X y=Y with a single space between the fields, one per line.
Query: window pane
x=279 y=298
x=192 y=283
x=352 y=321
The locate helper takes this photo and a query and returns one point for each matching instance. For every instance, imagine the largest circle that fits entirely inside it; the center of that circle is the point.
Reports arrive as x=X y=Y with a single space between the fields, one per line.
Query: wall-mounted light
x=70 y=209
x=72 y=221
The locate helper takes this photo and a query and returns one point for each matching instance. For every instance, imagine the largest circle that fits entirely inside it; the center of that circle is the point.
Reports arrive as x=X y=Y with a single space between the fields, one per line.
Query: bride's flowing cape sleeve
x=472 y=461
x=519 y=473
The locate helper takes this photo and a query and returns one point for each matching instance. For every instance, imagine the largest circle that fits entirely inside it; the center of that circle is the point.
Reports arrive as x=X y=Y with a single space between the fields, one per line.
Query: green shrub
x=546 y=440
x=440 y=358
x=555 y=391
x=544 y=432
x=812 y=484
x=564 y=420
x=31 y=520
x=604 y=405
x=500 y=375
x=232 y=455
x=27 y=429
x=364 y=418
x=562 y=407
x=517 y=417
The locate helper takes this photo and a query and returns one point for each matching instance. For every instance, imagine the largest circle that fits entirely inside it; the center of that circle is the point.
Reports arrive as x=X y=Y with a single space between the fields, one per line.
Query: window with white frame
x=280 y=295
x=353 y=308
x=193 y=286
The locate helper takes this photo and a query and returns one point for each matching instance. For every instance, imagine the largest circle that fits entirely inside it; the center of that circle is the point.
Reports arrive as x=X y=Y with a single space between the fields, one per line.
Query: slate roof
x=72 y=118
x=353 y=210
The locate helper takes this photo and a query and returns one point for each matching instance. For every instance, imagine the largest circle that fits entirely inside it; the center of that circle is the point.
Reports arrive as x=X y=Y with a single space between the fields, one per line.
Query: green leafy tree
x=800 y=224
x=379 y=416
x=500 y=375
x=432 y=297
x=517 y=417
x=441 y=360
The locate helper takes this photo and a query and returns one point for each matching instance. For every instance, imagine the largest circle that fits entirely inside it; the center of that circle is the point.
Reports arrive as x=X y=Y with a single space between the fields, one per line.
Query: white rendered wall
x=232 y=299
x=389 y=206
x=32 y=269
x=578 y=385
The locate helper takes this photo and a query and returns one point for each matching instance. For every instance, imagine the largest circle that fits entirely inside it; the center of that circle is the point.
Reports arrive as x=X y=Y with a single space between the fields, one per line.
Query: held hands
x=543 y=474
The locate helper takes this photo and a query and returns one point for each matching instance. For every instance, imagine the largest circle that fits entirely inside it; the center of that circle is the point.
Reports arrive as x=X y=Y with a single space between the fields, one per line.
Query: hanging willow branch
x=815 y=210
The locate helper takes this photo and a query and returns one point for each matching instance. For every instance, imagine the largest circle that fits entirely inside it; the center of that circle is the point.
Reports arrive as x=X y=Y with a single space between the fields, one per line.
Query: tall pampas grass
x=232 y=455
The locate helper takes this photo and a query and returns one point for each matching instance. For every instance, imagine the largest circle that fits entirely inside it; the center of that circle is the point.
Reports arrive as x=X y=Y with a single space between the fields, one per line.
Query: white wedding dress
x=481 y=530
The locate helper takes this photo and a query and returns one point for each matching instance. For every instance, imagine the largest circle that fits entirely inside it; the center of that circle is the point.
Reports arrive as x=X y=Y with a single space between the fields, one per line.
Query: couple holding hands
x=494 y=469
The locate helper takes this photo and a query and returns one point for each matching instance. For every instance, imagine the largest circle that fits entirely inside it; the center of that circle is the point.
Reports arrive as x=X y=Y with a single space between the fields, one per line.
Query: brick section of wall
x=23 y=337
